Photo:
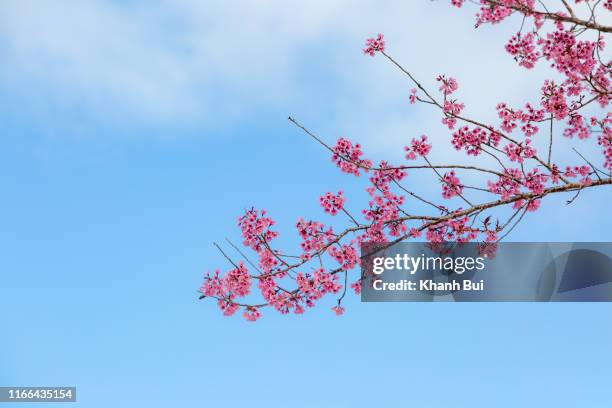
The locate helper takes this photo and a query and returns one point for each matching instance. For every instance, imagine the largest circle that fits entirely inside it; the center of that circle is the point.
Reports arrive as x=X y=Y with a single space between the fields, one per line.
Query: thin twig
x=225 y=255
x=243 y=255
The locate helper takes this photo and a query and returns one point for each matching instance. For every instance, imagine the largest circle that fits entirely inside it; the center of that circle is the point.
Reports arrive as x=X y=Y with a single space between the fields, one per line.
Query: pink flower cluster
x=348 y=157
x=213 y=285
x=413 y=96
x=384 y=207
x=332 y=203
x=518 y=152
x=339 y=310
x=314 y=236
x=418 y=147
x=383 y=210
x=453 y=107
x=522 y=47
x=284 y=301
x=450 y=122
x=509 y=118
x=236 y=283
x=579 y=171
x=577 y=127
x=251 y=313
x=384 y=175
x=601 y=82
x=255 y=227
x=345 y=255
x=267 y=259
x=495 y=12
x=531 y=206
x=470 y=140
x=508 y=185
x=534 y=181
x=457 y=230
x=531 y=116
x=553 y=100
x=605 y=139
x=315 y=286
x=571 y=57
x=450 y=185
x=447 y=85
x=451 y=110
x=374 y=45
x=227 y=307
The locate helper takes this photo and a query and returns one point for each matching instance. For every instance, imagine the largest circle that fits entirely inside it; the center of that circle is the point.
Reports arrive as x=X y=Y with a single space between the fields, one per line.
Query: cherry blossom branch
x=521 y=182
x=516 y=5
x=462 y=118
x=403 y=167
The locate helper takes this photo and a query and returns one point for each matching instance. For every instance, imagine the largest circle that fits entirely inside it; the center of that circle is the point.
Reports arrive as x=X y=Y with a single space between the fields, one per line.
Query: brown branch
x=556 y=17
x=433 y=222
x=408 y=167
x=350 y=216
x=243 y=255
x=225 y=255
x=524 y=208
x=527 y=196
x=550 y=142
x=468 y=120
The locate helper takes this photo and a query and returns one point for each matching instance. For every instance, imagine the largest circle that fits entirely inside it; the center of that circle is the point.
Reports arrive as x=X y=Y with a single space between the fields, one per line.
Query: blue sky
x=134 y=135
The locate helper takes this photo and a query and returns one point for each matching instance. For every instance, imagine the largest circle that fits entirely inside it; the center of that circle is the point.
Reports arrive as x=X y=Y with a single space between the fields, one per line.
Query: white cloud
x=174 y=58
x=164 y=60
x=93 y=51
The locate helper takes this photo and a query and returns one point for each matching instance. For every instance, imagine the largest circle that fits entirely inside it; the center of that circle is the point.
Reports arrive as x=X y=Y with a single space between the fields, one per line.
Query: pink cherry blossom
x=553 y=100
x=251 y=314
x=451 y=185
x=413 y=96
x=519 y=152
x=314 y=236
x=447 y=85
x=345 y=255
x=418 y=147
x=339 y=310
x=577 y=127
x=523 y=48
x=374 y=45
x=227 y=307
x=470 y=140
x=237 y=281
x=332 y=203
x=255 y=228
x=348 y=157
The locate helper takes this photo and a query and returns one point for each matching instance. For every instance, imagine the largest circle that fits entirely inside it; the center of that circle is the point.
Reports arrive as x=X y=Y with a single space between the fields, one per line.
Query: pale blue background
x=108 y=216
